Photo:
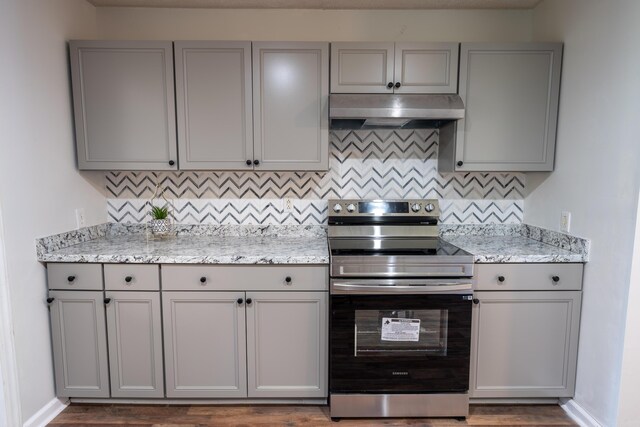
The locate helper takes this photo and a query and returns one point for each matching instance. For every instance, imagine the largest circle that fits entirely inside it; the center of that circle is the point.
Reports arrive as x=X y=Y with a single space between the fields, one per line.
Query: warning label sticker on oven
x=400 y=329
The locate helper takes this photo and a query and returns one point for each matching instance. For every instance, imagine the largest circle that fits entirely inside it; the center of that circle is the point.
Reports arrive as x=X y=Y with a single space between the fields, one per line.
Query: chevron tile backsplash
x=362 y=164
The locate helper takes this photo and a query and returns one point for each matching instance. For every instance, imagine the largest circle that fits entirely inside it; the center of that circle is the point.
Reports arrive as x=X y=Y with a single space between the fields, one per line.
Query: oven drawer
x=244 y=278
x=528 y=277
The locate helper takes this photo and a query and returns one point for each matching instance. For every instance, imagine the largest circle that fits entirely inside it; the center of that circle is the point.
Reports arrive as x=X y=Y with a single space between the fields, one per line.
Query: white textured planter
x=159 y=226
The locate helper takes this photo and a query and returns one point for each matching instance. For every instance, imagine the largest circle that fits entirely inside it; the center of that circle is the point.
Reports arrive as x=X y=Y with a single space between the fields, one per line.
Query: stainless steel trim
x=386 y=287
x=406 y=106
x=375 y=231
x=399 y=405
x=402 y=266
x=433 y=214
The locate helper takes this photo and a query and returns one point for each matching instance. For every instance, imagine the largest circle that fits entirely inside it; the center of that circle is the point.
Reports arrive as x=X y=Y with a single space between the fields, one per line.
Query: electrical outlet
x=565 y=221
x=80 y=218
x=288 y=204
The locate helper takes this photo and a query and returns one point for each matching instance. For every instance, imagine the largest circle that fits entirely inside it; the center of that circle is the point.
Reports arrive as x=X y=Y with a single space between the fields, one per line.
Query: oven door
x=393 y=341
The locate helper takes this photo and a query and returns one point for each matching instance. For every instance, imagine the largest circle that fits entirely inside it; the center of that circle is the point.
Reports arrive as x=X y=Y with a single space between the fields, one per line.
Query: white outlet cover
x=80 y=218
x=565 y=221
x=287 y=204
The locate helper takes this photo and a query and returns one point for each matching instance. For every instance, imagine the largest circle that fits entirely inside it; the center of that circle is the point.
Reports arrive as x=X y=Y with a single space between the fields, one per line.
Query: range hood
x=363 y=111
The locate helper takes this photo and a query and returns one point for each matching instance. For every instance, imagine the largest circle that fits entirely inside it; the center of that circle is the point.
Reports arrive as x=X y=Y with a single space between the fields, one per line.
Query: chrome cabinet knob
x=429 y=207
x=337 y=208
x=415 y=207
x=351 y=207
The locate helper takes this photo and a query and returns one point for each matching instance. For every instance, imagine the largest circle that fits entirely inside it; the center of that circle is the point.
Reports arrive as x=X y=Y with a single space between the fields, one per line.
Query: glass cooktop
x=392 y=246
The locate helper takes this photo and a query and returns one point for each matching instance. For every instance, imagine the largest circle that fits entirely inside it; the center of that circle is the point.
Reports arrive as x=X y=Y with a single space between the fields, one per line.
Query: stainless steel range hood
x=362 y=111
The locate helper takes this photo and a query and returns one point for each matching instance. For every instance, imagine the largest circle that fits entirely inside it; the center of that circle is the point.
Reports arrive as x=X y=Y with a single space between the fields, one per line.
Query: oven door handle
x=441 y=288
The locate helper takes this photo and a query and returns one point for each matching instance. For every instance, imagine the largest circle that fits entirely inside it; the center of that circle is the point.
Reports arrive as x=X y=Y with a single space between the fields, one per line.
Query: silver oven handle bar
x=441 y=288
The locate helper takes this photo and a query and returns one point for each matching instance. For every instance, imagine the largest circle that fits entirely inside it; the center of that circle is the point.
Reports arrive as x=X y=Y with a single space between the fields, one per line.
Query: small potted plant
x=159 y=220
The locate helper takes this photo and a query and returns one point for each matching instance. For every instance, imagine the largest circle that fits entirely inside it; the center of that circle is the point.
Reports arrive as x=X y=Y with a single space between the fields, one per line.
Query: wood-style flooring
x=290 y=416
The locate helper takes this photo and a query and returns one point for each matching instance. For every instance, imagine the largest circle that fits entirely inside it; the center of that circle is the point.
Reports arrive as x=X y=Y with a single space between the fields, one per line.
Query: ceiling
x=323 y=4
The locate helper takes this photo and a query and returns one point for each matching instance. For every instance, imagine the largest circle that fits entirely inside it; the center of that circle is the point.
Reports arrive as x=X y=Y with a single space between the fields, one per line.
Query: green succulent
x=159 y=213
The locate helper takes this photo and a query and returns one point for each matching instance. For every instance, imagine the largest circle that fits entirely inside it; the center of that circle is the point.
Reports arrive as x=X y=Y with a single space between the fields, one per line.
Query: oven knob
x=337 y=208
x=415 y=207
x=429 y=207
x=351 y=207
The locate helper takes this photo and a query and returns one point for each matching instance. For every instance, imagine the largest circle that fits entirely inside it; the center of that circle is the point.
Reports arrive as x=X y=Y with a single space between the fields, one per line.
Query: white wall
x=9 y=392
x=39 y=184
x=628 y=404
x=329 y=25
x=597 y=175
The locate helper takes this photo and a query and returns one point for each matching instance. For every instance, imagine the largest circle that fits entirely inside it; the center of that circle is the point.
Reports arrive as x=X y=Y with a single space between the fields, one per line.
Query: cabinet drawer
x=245 y=278
x=67 y=276
x=127 y=277
x=528 y=277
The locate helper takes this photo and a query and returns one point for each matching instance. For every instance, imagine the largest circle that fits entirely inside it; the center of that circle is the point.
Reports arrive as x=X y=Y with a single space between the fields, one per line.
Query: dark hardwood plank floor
x=290 y=416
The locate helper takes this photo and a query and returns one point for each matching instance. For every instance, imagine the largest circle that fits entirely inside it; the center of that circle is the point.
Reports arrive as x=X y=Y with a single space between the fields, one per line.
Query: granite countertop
x=512 y=249
x=196 y=249
x=116 y=243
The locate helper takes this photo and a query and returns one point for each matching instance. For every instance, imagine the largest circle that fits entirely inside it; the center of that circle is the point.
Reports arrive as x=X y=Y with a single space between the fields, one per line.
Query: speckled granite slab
x=516 y=243
x=138 y=248
x=219 y=230
x=514 y=249
x=53 y=243
x=62 y=240
x=285 y=244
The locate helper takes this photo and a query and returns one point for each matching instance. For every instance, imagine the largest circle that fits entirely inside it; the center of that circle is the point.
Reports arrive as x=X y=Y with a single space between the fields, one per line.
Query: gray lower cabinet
x=123 y=97
x=79 y=340
x=510 y=92
x=135 y=343
x=524 y=344
x=290 y=105
x=204 y=344
x=287 y=344
x=214 y=105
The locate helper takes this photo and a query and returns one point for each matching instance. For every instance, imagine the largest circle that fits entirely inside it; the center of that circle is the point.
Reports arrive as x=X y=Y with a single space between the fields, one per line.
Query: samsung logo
x=399 y=373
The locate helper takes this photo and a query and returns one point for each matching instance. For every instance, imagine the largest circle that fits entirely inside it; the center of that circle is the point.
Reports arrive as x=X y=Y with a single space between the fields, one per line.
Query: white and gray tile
x=363 y=164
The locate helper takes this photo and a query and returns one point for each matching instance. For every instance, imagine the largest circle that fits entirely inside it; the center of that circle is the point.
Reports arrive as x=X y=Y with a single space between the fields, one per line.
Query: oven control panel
x=384 y=208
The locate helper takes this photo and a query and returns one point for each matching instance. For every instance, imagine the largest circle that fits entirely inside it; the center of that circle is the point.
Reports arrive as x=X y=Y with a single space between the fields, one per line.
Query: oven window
x=400 y=333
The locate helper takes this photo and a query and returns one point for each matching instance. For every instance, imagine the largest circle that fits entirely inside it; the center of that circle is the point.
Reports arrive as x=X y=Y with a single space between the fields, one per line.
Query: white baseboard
x=47 y=413
x=579 y=414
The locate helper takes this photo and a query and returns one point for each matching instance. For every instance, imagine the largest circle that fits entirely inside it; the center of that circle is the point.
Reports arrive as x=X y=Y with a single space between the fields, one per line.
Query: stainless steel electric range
x=400 y=323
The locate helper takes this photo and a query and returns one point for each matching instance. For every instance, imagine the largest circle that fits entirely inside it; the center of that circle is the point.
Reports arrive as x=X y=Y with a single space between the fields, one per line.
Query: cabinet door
x=426 y=67
x=510 y=92
x=79 y=341
x=213 y=92
x=135 y=344
x=524 y=344
x=204 y=344
x=362 y=67
x=287 y=344
x=124 y=104
x=290 y=104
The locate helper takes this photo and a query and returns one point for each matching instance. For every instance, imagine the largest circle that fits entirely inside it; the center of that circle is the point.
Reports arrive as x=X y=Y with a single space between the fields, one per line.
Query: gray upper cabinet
x=278 y=364
x=394 y=68
x=214 y=105
x=290 y=105
x=510 y=92
x=78 y=335
x=123 y=95
x=361 y=67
